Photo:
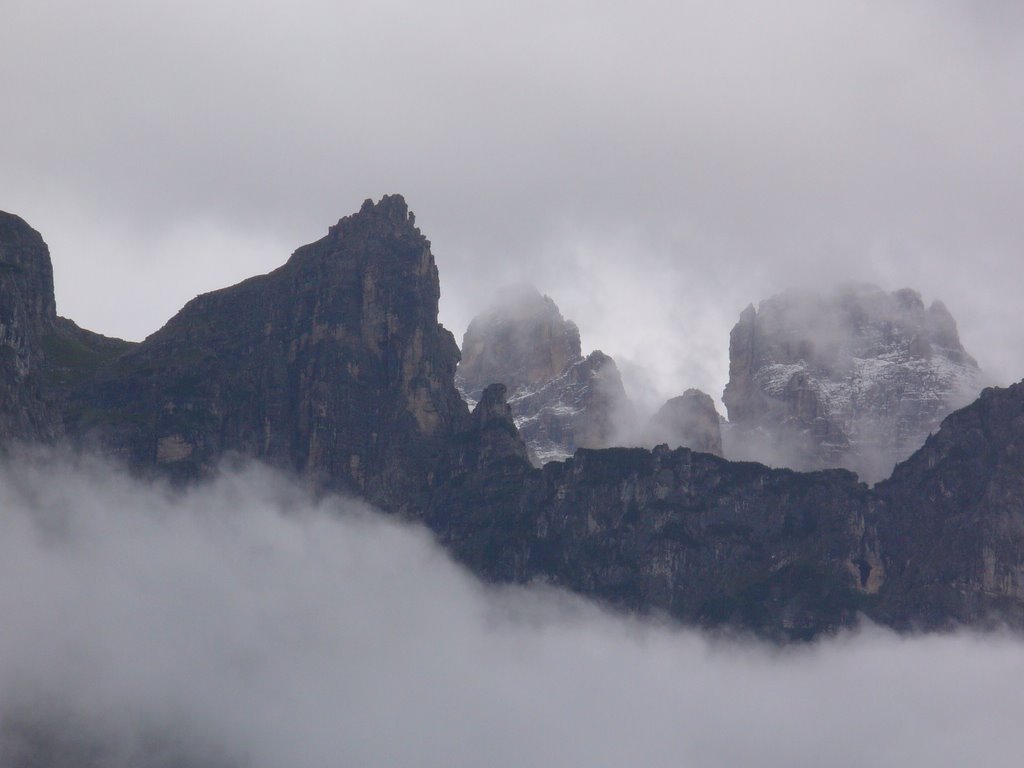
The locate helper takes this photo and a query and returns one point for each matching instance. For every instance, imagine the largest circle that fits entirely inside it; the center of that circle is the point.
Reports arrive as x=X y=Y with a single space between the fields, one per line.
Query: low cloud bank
x=242 y=624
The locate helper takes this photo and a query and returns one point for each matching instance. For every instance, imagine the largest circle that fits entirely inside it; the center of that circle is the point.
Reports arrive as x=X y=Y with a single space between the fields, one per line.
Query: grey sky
x=653 y=166
x=241 y=624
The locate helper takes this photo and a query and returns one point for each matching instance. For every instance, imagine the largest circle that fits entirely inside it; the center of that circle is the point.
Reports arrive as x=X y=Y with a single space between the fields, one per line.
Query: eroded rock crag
x=856 y=378
x=560 y=399
x=333 y=366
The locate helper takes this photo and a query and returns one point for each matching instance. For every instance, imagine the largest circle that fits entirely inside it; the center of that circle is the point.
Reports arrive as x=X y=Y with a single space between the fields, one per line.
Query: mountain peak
x=689 y=420
x=855 y=377
x=390 y=214
x=333 y=365
x=391 y=206
x=522 y=340
x=560 y=399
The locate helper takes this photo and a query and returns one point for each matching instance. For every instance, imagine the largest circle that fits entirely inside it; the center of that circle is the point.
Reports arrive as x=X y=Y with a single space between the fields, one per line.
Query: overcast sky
x=653 y=166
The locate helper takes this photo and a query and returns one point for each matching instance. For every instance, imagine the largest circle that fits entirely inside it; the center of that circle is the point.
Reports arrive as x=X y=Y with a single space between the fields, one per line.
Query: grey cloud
x=242 y=624
x=654 y=167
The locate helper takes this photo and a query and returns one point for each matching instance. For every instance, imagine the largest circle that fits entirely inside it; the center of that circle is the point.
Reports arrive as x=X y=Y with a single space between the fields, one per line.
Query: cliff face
x=42 y=356
x=854 y=379
x=707 y=541
x=953 y=527
x=560 y=399
x=27 y=311
x=782 y=553
x=333 y=365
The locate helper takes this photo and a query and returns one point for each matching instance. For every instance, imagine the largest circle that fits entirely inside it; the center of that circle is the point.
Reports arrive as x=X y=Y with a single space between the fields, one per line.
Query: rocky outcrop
x=953 y=524
x=333 y=366
x=707 y=541
x=560 y=399
x=782 y=553
x=492 y=435
x=41 y=355
x=688 y=421
x=27 y=311
x=857 y=379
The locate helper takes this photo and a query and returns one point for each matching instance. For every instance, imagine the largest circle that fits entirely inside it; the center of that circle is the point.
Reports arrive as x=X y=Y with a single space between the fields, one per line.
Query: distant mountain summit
x=688 y=421
x=521 y=341
x=560 y=399
x=856 y=378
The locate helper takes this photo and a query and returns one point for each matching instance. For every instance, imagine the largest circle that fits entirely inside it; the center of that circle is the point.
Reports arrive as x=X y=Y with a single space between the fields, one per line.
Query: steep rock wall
x=333 y=365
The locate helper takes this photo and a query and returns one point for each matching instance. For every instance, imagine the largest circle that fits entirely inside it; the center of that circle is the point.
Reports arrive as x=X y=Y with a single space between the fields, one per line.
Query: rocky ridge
x=334 y=367
x=784 y=554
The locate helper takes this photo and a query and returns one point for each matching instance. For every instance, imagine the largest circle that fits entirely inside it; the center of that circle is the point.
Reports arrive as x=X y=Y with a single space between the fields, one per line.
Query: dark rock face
x=674 y=530
x=705 y=540
x=333 y=366
x=855 y=379
x=782 y=553
x=688 y=421
x=41 y=355
x=492 y=432
x=561 y=400
x=27 y=311
x=953 y=529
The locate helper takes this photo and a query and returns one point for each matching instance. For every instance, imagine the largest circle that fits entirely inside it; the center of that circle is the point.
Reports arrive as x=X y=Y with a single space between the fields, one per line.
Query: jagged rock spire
x=561 y=400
